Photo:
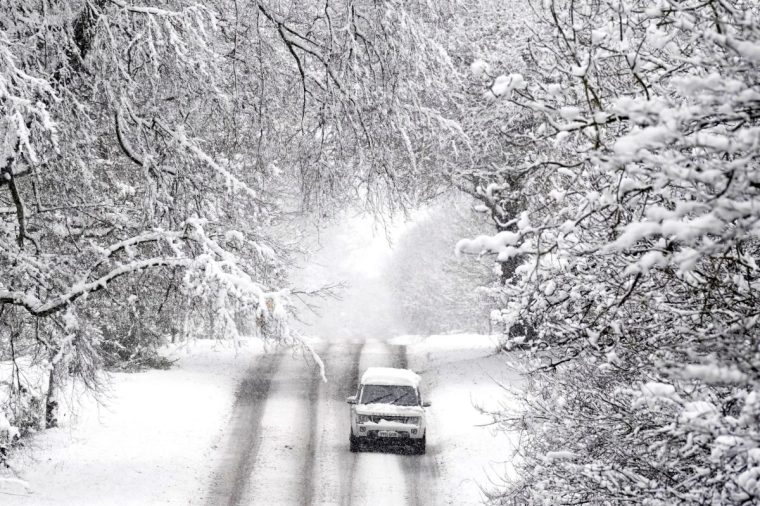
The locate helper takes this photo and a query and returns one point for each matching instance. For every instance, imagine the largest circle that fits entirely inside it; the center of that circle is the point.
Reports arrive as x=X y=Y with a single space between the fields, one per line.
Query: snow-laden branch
x=153 y=11
x=640 y=260
x=148 y=237
x=233 y=182
x=41 y=309
x=217 y=264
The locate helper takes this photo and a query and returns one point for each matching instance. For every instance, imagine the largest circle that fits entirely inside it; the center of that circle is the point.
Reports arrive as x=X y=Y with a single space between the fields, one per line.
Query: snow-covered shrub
x=24 y=413
x=639 y=238
x=8 y=436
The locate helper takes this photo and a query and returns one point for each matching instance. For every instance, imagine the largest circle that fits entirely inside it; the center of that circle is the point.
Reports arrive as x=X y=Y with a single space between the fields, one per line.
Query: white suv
x=388 y=407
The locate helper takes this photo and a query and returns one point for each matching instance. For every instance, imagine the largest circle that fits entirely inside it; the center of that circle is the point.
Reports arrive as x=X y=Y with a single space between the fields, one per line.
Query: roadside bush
x=637 y=239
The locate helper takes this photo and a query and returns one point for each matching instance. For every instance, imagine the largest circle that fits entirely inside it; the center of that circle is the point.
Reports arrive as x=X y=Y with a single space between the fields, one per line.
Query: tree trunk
x=508 y=268
x=51 y=402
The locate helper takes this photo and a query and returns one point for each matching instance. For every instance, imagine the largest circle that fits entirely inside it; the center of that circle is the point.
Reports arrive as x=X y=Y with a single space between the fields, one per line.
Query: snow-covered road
x=293 y=447
x=249 y=427
x=288 y=439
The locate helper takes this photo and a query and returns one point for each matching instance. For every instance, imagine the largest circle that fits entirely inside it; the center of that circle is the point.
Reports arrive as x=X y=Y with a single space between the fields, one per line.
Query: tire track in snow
x=347 y=387
x=327 y=443
x=332 y=464
x=281 y=471
x=310 y=470
x=420 y=471
x=231 y=478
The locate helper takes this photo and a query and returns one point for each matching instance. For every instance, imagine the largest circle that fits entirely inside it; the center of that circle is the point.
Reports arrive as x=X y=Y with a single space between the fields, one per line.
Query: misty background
x=393 y=275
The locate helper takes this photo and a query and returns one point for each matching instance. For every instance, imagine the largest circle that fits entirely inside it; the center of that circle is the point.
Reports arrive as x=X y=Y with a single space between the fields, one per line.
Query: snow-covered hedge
x=637 y=239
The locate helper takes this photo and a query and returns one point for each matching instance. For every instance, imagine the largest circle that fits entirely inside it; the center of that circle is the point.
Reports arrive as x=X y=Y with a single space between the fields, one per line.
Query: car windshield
x=389 y=394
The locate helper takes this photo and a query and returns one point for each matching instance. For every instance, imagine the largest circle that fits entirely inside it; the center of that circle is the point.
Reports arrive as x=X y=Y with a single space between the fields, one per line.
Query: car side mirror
x=351 y=400
x=426 y=404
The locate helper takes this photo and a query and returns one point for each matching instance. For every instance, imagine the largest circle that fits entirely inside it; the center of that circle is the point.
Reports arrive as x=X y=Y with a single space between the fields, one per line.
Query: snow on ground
x=462 y=373
x=158 y=438
x=285 y=426
x=151 y=443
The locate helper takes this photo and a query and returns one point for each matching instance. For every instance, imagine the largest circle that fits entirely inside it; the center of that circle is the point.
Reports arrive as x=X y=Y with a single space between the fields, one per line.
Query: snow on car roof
x=390 y=376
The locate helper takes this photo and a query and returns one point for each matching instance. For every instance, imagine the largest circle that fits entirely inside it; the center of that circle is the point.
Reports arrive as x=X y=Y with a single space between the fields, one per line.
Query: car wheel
x=420 y=445
x=353 y=443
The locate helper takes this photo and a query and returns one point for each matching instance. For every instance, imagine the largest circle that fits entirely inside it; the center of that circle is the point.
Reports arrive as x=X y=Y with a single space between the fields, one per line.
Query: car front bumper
x=389 y=432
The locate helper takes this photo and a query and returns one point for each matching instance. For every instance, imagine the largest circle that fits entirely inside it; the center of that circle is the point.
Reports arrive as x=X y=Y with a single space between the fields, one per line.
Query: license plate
x=387 y=433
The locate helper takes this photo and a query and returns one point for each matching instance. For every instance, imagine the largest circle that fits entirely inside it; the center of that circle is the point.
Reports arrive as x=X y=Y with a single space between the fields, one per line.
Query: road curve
x=287 y=438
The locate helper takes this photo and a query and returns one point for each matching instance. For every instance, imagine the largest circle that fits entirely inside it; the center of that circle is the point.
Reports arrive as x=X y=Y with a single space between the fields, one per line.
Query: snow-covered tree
x=639 y=234
x=150 y=153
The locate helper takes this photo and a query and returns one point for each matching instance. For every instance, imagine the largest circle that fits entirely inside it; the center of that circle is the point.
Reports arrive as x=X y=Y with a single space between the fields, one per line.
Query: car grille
x=392 y=418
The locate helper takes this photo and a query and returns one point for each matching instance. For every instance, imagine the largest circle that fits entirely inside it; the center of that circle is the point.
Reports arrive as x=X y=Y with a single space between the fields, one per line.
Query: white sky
x=367 y=245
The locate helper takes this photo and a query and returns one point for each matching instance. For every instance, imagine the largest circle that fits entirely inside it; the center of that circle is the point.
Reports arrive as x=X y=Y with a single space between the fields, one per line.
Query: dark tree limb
x=8 y=176
x=84 y=34
x=123 y=144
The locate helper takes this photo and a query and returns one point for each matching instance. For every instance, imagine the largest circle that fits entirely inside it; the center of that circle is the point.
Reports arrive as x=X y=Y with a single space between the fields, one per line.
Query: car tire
x=420 y=445
x=353 y=443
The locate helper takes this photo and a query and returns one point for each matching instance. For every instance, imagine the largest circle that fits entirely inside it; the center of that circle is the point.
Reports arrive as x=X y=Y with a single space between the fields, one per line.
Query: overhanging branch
x=37 y=308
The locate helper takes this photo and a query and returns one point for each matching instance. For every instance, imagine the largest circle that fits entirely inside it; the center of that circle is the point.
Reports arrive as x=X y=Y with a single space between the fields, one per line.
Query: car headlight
x=362 y=418
x=413 y=420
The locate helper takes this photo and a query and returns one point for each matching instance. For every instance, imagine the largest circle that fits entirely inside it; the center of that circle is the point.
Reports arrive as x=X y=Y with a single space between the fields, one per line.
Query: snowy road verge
x=462 y=373
x=153 y=441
